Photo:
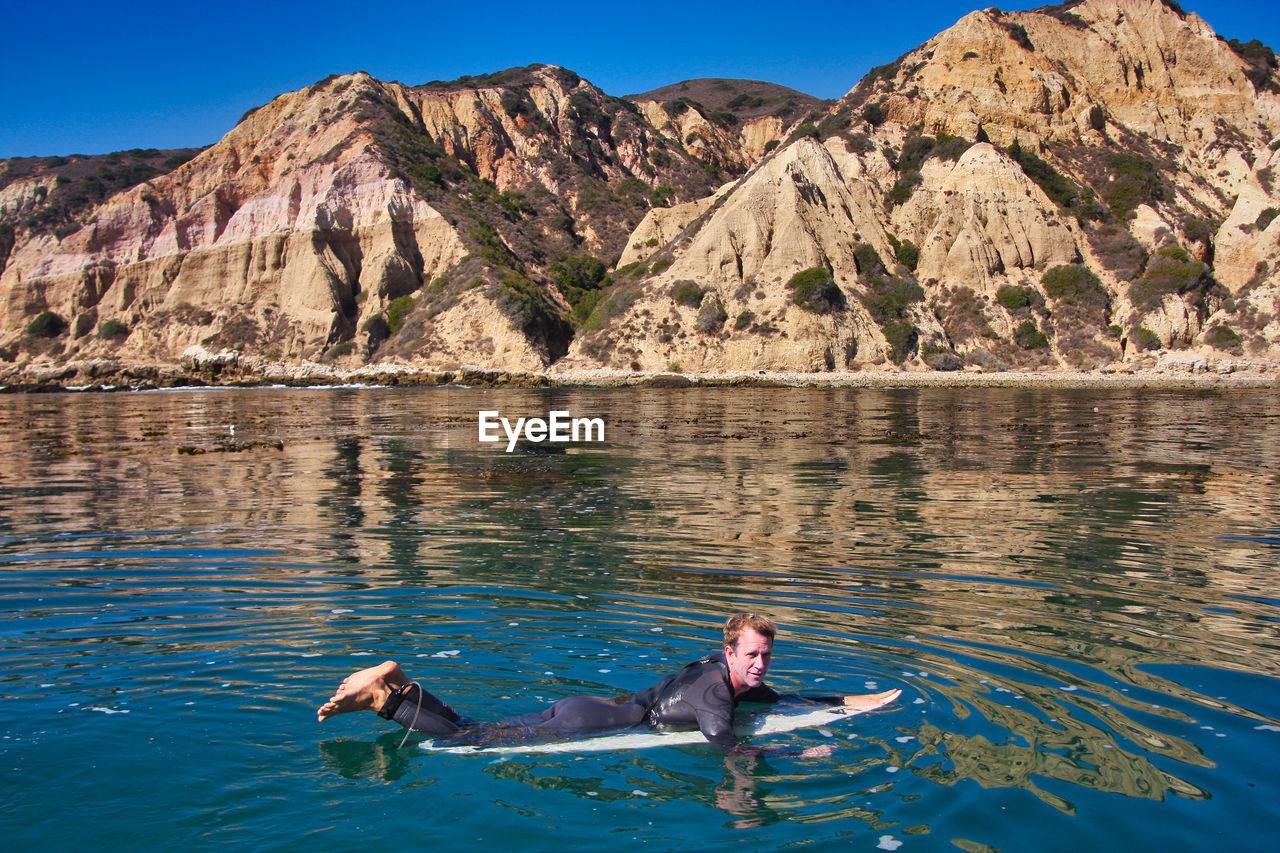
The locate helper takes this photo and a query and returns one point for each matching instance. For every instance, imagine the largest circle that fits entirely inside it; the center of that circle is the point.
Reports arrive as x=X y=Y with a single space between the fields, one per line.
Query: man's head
x=748 y=649
x=734 y=626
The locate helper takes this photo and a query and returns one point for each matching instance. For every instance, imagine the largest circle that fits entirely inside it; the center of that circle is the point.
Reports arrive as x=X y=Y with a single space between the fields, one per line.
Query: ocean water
x=1077 y=592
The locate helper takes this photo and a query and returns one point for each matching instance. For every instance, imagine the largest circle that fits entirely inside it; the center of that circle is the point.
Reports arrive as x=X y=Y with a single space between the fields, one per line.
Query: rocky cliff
x=1076 y=186
x=1079 y=186
x=357 y=219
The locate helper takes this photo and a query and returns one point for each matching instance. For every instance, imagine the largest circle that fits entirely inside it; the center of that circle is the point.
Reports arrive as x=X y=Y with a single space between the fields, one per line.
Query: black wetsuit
x=700 y=696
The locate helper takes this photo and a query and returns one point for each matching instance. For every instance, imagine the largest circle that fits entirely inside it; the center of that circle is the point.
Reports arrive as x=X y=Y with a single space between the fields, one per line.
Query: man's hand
x=871 y=700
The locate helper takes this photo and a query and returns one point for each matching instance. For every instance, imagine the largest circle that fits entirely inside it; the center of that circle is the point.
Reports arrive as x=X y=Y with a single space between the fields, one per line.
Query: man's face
x=749 y=660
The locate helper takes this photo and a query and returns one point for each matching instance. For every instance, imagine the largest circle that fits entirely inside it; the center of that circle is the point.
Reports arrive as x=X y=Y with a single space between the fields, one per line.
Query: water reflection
x=1076 y=589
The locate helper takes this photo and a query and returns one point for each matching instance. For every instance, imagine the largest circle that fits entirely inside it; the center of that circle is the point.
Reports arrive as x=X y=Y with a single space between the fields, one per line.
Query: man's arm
x=712 y=705
x=862 y=702
x=871 y=701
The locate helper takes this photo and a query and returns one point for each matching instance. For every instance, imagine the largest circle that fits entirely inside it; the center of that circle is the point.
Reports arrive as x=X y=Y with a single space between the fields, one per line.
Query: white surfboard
x=773 y=722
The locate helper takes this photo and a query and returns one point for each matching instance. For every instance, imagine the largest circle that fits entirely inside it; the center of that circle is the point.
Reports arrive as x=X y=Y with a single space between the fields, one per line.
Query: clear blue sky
x=93 y=77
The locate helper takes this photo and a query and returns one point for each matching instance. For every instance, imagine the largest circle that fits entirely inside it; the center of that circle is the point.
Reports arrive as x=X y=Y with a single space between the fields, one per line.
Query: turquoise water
x=1076 y=591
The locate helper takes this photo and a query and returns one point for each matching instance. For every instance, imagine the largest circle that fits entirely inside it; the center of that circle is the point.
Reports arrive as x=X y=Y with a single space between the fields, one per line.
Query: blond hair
x=739 y=622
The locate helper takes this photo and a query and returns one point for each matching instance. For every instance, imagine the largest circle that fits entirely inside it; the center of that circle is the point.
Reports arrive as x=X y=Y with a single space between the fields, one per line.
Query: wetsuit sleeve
x=717 y=728
x=811 y=700
x=765 y=694
x=713 y=706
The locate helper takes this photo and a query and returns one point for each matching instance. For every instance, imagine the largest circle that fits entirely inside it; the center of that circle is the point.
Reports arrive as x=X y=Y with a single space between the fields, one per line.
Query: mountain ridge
x=1076 y=187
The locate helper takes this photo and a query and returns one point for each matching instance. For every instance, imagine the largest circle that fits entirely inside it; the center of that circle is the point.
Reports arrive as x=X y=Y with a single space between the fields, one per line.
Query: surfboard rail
x=774 y=721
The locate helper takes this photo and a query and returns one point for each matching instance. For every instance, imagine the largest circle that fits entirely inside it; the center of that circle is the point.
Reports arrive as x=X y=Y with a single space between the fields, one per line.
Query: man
x=701 y=696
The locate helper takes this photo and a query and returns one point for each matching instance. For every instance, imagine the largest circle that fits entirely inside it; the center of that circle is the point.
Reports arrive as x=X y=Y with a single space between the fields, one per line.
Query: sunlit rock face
x=1084 y=186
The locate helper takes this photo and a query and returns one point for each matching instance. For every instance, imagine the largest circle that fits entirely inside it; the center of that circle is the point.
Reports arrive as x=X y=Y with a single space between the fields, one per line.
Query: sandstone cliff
x=351 y=212
x=1069 y=187
x=1081 y=186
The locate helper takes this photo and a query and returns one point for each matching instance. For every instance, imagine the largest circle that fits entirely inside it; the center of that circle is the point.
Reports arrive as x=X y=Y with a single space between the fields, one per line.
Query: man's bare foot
x=871 y=701
x=365 y=690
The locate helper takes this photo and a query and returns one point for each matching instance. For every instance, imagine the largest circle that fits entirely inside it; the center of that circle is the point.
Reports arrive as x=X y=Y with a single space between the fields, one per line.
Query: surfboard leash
x=408 y=731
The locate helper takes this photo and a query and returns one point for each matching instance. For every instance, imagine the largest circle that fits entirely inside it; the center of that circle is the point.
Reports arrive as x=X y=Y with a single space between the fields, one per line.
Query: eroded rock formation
x=1078 y=186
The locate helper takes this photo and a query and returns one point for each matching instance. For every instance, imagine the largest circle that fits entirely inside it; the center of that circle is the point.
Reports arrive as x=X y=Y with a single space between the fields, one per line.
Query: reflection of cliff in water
x=1057 y=742
x=1076 y=762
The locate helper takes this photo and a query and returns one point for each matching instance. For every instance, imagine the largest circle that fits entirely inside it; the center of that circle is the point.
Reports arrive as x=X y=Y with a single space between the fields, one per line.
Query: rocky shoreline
x=229 y=369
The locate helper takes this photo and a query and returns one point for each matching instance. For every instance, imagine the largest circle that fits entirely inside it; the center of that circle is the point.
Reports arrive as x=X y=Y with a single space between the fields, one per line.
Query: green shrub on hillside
x=490 y=245
x=907 y=253
x=113 y=330
x=514 y=205
x=808 y=129
x=874 y=114
x=46 y=325
x=1222 y=337
x=902 y=336
x=1134 y=181
x=338 y=350
x=376 y=330
x=663 y=196
x=1144 y=339
x=633 y=270
x=914 y=152
x=578 y=273
x=903 y=188
x=1028 y=336
x=745 y=101
x=584 y=110
x=397 y=311
x=888 y=300
x=1118 y=251
x=580 y=280
x=609 y=305
x=835 y=123
x=1019 y=34
x=518 y=102
x=859 y=143
x=867 y=260
x=711 y=317
x=1013 y=297
x=950 y=147
x=686 y=293
x=531 y=310
x=1170 y=271
x=1075 y=285
x=814 y=290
